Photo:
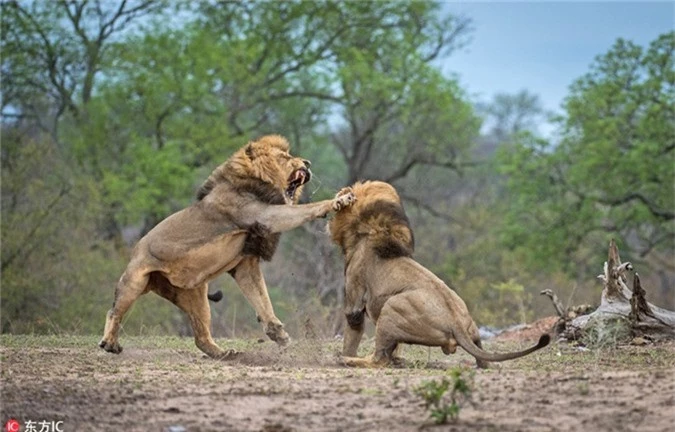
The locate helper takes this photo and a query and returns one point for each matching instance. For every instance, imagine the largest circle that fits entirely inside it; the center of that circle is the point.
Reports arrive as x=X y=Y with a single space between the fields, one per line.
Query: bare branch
x=300 y=94
x=402 y=171
x=416 y=202
x=560 y=310
x=659 y=213
x=23 y=249
x=75 y=17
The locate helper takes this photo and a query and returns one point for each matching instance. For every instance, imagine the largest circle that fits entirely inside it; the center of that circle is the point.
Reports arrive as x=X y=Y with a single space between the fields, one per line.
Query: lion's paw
x=229 y=354
x=344 y=198
x=344 y=191
x=114 y=348
x=276 y=332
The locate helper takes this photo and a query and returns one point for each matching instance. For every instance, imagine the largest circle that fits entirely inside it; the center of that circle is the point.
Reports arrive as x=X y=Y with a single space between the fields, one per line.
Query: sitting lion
x=407 y=302
x=236 y=221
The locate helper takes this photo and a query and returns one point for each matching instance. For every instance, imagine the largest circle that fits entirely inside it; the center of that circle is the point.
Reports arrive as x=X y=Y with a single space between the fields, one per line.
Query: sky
x=544 y=46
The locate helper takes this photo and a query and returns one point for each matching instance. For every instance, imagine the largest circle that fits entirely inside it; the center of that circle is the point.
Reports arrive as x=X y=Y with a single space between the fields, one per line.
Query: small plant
x=445 y=398
x=606 y=334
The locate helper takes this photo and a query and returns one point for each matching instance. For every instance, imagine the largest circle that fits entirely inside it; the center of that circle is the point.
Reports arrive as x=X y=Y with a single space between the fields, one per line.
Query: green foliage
x=445 y=398
x=512 y=296
x=48 y=213
x=611 y=174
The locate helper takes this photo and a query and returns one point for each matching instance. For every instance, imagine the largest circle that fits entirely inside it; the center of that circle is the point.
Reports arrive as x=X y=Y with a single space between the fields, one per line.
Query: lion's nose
x=307 y=163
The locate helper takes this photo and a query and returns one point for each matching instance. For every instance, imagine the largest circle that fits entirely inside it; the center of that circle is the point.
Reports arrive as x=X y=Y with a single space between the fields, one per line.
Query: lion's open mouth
x=297 y=179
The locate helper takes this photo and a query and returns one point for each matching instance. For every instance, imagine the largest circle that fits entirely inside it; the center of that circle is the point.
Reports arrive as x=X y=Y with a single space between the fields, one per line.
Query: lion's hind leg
x=386 y=347
x=383 y=356
x=450 y=347
x=194 y=302
x=132 y=284
x=400 y=321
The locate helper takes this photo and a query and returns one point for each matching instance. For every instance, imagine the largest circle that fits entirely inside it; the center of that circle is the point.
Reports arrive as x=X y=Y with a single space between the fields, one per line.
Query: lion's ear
x=249 y=151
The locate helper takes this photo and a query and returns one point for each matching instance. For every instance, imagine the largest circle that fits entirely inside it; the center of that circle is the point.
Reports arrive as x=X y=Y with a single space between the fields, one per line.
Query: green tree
x=362 y=68
x=138 y=108
x=613 y=171
x=53 y=51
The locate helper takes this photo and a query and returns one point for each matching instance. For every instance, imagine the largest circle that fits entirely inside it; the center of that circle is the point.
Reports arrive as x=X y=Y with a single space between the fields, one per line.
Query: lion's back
x=186 y=230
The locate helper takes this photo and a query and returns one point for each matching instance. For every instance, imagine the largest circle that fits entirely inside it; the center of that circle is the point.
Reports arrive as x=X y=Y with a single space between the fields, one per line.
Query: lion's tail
x=216 y=296
x=465 y=342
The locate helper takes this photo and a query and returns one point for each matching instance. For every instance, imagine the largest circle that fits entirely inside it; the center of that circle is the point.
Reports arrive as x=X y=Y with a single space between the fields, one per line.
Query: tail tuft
x=544 y=340
x=218 y=296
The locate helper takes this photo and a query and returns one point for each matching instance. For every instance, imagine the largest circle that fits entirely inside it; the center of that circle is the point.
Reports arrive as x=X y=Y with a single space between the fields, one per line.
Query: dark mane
x=205 y=189
x=260 y=241
x=263 y=191
x=391 y=216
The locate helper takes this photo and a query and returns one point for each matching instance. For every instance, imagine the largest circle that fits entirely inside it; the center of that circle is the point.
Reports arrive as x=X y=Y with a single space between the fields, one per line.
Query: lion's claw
x=344 y=198
x=344 y=191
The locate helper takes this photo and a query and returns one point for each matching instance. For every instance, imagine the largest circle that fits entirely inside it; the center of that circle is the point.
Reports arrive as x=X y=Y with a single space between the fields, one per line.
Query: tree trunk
x=617 y=303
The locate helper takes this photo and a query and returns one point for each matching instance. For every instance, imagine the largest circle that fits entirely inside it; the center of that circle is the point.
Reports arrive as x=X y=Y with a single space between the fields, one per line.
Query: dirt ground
x=165 y=384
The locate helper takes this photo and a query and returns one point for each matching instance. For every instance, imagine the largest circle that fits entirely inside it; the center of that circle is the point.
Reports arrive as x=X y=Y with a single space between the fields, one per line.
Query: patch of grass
x=570 y=358
x=606 y=333
x=558 y=357
x=445 y=399
x=371 y=391
x=47 y=341
x=140 y=342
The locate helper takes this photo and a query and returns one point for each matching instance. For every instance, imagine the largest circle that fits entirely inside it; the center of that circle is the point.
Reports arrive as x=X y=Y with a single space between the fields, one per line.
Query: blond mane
x=256 y=160
x=378 y=217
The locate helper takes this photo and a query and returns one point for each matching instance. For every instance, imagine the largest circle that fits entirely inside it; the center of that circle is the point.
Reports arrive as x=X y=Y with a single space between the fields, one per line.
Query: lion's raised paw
x=344 y=191
x=344 y=198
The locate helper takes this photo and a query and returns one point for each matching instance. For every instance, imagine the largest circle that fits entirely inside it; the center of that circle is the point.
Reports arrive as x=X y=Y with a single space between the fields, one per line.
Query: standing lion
x=240 y=212
x=407 y=302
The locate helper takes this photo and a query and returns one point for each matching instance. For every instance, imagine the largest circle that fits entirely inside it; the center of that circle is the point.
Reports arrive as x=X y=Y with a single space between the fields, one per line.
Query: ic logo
x=12 y=426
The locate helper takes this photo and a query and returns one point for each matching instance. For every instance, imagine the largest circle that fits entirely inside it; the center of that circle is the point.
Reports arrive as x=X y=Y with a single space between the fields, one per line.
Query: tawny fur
x=407 y=302
x=240 y=211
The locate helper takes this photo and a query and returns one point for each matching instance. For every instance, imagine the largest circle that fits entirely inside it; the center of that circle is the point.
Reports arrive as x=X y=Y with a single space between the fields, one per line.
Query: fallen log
x=624 y=312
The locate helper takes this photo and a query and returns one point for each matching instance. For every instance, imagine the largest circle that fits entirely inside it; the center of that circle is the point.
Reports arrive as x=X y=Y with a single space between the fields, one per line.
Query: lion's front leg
x=280 y=218
x=371 y=361
x=354 y=309
x=353 y=333
x=249 y=277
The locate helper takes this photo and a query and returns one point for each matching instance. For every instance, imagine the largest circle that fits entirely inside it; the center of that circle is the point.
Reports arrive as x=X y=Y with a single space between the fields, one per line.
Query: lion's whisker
x=316 y=189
